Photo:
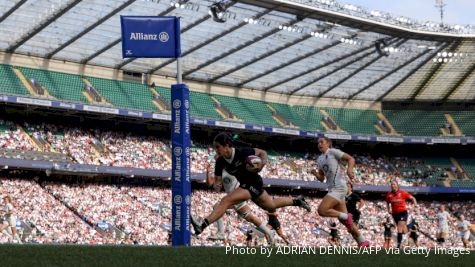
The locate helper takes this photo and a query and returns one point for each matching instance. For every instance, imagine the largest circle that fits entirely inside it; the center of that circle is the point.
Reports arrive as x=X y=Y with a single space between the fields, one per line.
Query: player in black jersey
x=388 y=232
x=354 y=203
x=274 y=223
x=413 y=227
x=233 y=160
x=334 y=239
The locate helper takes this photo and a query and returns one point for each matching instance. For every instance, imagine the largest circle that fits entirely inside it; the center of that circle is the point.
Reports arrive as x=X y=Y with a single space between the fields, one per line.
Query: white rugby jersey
x=329 y=163
x=443 y=218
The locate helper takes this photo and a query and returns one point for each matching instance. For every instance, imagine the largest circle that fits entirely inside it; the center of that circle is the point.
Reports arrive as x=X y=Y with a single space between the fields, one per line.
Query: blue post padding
x=181 y=185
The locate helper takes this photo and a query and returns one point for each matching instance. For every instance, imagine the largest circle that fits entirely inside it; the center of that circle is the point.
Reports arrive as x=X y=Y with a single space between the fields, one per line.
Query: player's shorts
x=465 y=235
x=334 y=235
x=338 y=192
x=387 y=234
x=10 y=220
x=414 y=236
x=274 y=223
x=444 y=229
x=400 y=216
x=255 y=187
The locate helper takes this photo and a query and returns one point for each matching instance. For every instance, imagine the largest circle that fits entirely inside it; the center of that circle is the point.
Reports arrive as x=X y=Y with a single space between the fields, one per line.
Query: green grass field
x=73 y=255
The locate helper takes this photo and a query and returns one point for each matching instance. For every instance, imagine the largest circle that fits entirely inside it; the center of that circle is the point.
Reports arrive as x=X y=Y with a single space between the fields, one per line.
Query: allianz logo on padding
x=140 y=36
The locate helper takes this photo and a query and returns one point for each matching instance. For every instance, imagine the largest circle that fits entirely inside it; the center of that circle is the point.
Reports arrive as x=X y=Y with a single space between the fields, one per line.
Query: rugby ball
x=250 y=161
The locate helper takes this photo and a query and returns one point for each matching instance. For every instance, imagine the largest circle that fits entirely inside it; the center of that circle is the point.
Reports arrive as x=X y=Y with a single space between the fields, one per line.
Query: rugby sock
x=264 y=229
x=360 y=239
x=399 y=239
x=343 y=216
x=17 y=238
x=220 y=226
x=204 y=224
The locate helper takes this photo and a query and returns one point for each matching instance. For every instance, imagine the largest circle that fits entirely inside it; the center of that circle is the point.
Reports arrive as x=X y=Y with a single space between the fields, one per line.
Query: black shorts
x=401 y=216
x=387 y=234
x=254 y=187
x=274 y=223
x=413 y=236
x=334 y=236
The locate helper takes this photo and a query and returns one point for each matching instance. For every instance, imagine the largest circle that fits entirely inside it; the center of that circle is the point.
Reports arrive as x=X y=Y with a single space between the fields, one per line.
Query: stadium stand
x=9 y=82
x=125 y=94
x=60 y=85
x=71 y=212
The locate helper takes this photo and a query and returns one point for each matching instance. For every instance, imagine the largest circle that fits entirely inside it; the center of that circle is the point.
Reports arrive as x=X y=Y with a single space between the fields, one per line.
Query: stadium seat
x=9 y=82
x=62 y=86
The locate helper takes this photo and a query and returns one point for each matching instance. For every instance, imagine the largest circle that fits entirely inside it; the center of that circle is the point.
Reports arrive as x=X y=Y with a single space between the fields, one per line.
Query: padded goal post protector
x=181 y=182
x=150 y=37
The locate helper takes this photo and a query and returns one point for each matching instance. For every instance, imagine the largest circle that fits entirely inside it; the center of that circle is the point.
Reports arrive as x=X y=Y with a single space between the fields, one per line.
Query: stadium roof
x=289 y=47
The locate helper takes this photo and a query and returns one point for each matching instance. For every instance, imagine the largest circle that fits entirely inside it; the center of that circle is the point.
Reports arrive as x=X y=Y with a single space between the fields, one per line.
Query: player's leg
x=220 y=225
x=401 y=230
x=265 y=201
x=327 y=208
x=280 y=232
x=237 y=196
x=354 y=231
x=244 y=211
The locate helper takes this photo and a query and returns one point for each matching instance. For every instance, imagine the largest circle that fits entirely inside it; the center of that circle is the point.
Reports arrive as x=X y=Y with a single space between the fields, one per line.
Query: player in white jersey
x=464 y=228
x=333 y=204
x=229 y=183
x=9 y=218
x=443 y=224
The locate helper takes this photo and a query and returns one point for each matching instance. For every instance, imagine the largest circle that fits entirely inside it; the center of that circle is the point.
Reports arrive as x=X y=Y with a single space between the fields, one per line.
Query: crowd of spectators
x=72 y=213
x=124 y=149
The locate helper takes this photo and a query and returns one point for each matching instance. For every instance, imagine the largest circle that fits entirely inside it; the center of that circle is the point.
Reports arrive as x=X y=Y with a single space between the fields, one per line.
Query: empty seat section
x=125 y=94
x=9 y=82
x=61 y=85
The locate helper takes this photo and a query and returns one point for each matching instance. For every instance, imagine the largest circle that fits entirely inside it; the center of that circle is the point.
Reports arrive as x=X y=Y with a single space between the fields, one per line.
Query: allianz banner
x=150 y=37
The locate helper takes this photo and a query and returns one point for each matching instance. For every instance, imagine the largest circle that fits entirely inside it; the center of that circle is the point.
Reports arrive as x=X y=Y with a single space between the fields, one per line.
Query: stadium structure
x=85 y=134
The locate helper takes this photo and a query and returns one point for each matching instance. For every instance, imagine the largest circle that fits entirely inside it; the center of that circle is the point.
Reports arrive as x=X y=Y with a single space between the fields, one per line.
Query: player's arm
x=361 y=204
x=412 y=199
x=319 y=174
x=351 y=165
x=218 y=172
x=263 y=155
x=389 y=204
x=209 y=178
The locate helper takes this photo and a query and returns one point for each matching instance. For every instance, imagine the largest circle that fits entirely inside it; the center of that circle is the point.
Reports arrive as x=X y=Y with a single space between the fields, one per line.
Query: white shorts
x=443 y=229
x=338 y=192
x=10 y=220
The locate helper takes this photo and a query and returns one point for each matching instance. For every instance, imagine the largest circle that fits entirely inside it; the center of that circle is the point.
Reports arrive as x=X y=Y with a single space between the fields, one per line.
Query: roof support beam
x=90 y=28
x=205 y=43
x=261 y=57
x=27 y=36
x=459 y=82
x=240 y=47
x=411 y=72
x=333 y=71
x=431 y=73
x=11 y=10
x=292 y=61
x=388 y=74
x=118 y=40
x=358 y=70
